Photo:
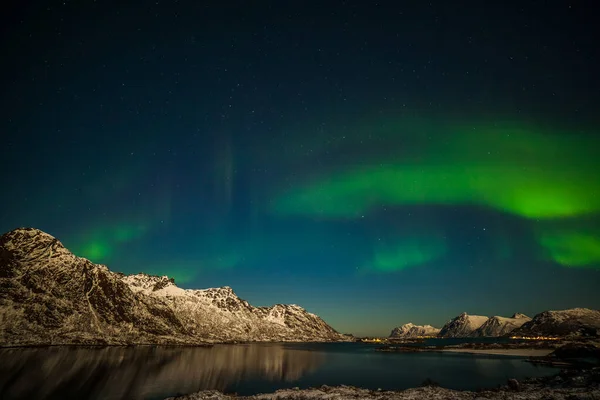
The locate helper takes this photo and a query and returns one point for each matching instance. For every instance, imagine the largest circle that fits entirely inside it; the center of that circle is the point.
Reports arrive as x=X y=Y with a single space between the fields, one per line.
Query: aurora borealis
x=375 y=164
x=512 y=170
x=538 y=177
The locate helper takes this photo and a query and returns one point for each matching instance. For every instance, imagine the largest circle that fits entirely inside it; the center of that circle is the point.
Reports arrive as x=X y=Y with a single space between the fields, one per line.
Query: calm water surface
x=158 y=372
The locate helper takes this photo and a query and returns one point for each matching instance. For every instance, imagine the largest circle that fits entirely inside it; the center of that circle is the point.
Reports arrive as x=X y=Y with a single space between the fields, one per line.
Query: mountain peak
x=463 y=325
x=411 y=330
x=223 y=291
x=27 y=239
x=500 y=326
x=27 y=230
x=226 y=289
x=25 y=251
x=574 y=321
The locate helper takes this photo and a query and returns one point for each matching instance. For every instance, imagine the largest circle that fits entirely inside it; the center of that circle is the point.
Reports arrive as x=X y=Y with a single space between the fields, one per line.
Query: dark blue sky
x=374 y=162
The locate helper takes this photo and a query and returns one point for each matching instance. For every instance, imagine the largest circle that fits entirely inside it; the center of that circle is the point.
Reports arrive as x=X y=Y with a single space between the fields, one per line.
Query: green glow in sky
x=531 y=192
x=95 y=250
x=407 y=252
x=526 y=171
x=103 y=240
x=99 y=244
x=516 y=171
x=572 y=249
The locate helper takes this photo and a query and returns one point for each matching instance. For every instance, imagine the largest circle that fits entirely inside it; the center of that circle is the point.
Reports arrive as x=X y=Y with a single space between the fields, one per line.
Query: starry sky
x=375 y=162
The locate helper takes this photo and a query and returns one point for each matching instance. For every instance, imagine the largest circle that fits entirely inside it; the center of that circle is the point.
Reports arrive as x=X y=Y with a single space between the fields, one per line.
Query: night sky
x=374 y=162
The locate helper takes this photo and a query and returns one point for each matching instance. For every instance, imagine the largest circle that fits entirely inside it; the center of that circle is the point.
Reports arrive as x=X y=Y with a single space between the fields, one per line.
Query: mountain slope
x=462 y=326
x=218 y=314
x=50 y=296
x=412 y=331
x=500 y=326
x=575 y=321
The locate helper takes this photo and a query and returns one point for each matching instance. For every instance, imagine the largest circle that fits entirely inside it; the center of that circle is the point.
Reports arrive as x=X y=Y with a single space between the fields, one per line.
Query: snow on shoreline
x=422 y=393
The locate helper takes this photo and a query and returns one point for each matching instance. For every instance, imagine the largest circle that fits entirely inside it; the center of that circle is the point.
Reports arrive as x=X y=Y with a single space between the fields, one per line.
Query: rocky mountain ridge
x=50 y=296
x=464 y=325
x=572 y=322
x=218 y=313
x=414 y=331
x=500 y=326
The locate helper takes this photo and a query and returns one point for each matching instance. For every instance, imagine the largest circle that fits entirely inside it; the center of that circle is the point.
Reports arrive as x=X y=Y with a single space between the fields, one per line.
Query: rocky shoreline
x=569 y=384
x=518 y=348
x=414 y=347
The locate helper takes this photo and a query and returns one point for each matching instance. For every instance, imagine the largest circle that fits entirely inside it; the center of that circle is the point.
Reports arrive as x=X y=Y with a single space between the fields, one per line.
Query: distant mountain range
x=412 y=331
x=50 y=296
x=576 y=321
x=573 y=322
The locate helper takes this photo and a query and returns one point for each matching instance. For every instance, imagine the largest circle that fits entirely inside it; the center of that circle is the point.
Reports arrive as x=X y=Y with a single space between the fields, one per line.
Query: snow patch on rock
x=500 y=326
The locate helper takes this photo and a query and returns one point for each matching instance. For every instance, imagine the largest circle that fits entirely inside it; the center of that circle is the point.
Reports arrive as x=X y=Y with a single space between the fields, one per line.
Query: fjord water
x=157 y=372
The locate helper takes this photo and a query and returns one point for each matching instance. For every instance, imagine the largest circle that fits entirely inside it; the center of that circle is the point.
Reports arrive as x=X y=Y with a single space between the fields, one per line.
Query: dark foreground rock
x=588 y=351
x=577 y=355
x=569 y=384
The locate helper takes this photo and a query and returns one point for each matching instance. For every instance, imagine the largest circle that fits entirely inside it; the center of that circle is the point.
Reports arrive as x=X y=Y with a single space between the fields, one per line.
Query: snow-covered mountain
x=412 y=331
x=50 y=296
x=463 y=326
x=575 y=321
x=219 y=314
x=500 y=326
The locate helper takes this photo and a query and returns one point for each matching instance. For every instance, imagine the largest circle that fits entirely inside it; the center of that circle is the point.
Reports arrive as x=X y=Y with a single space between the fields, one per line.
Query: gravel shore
x=568 y=385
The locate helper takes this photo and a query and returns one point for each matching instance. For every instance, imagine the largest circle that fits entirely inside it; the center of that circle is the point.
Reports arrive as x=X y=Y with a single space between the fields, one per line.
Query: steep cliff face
x=463 y=326
x=50 y=296
x=574 y=322
x=500 y=326
x=412 y=331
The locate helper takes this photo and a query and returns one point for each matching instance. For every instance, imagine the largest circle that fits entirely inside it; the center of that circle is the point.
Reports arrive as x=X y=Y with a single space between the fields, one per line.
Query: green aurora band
x=523 y=172
x=537 y=177
x=531 y=176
